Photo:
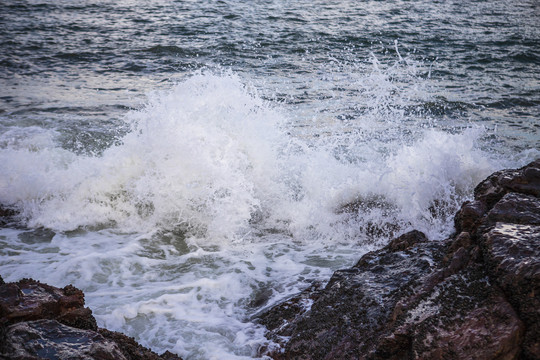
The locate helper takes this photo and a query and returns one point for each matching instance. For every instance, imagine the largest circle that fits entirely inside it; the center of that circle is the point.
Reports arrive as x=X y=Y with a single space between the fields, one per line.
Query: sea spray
x=203 y=155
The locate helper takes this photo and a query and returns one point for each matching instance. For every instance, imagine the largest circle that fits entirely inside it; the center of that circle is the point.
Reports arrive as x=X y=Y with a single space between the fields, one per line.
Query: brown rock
x=132 y=350
x=350 y=306
x=513 y=253
x=49 y=339
x=41 y=321
x=469 y=216
x=515 y=208
x=31 y=300
x=525 y=181
x=492 y=331
x=399 y=304
x=406 y=241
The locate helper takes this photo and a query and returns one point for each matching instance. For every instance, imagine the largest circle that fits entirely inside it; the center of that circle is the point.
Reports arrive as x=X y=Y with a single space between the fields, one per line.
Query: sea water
x=190 y=164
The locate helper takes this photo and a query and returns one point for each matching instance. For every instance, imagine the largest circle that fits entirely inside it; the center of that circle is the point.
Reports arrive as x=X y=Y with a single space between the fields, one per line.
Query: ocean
x=189 y=164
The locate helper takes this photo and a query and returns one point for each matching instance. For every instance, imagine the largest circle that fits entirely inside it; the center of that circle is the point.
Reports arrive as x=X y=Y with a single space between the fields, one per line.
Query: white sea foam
x=209 y=205
x=213 y=158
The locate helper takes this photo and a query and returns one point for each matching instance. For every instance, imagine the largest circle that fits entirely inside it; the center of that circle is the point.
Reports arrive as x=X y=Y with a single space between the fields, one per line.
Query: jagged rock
x=396 y=303
x=515 y=208
x=513 y=253
x=39 y=321
x=473 y=296
x=508 y=231
x=5 y=212
x=6 y=215
x=49 y=339
x=132 y=350
x=290 y=309
x=31 y=300
x=524 y=181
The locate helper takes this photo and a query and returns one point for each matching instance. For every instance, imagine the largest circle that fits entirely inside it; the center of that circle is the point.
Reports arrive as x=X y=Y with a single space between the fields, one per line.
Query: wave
x=211 y=157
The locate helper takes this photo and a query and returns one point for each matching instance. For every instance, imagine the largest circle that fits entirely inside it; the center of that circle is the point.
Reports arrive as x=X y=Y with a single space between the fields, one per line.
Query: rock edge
x=39 y=321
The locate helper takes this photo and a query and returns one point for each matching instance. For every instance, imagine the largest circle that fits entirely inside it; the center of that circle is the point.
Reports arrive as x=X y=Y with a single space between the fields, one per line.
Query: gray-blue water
x=177 y=159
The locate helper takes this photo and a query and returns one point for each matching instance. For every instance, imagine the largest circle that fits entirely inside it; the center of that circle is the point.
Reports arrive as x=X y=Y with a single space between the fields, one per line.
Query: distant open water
x=190 y=163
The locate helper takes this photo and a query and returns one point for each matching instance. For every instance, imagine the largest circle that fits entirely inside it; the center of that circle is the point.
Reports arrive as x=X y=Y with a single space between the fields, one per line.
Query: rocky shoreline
x=472 y=296
x=39 y=321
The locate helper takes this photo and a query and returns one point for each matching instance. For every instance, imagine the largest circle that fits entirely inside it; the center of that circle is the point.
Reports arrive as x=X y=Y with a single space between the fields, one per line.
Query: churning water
x=190 y=163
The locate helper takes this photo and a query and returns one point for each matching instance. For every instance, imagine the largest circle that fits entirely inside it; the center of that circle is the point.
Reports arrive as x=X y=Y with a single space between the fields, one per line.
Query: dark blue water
x=89 y=60
x=177 y=159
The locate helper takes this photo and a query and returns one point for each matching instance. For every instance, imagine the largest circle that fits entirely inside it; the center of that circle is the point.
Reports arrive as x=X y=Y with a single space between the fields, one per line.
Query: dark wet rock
x=49 y=339
x=473 y=296
x=132 y=350
x=515 y=208
x=406 y=241
x=513 y=254
x=524 y=181
x=6 y=212
x=29 y=300
x=469 y=216
x=7 y=215
x=290 y=310
x=39 y=321
x=399 y=303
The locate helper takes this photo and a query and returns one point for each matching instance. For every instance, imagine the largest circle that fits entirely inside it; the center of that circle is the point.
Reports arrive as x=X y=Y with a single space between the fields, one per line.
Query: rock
x=49 y=339
x=508 y=231
x=7 y=215
x=473 y=296
x=513 y=254
x=39 y=321
x=133 y=350
x=469 y=216
x=524 y=181
x=406 y=241
x=474 y=336
x=515 y=208
x=6 y=212
x=290 y=309
x=397 y=304
x=29 y=300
